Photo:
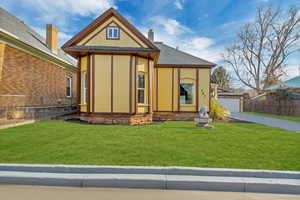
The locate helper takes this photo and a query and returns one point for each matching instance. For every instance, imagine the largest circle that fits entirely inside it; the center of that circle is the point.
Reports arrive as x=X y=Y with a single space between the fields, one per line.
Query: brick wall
x=34 y=81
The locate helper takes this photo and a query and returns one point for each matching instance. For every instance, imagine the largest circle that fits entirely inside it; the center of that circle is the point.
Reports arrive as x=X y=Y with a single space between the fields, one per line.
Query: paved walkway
x=278 y=123
x=14 y=192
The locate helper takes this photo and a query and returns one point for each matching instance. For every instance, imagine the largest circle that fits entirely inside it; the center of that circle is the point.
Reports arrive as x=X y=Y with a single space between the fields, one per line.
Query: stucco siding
x=102 y=83
x=164 y=81
x=121 y=84
x=204 y=82
x=166 y=88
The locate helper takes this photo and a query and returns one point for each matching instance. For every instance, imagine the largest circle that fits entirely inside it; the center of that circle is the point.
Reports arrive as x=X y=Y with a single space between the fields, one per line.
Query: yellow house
x=126 y=78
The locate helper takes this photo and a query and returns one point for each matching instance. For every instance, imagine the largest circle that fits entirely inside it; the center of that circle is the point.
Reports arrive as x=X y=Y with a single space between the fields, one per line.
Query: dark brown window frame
x=107 y=33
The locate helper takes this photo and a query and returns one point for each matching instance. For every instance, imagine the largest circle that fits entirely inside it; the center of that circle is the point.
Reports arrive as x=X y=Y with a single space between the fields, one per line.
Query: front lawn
x=228 y=145
x=290 y=118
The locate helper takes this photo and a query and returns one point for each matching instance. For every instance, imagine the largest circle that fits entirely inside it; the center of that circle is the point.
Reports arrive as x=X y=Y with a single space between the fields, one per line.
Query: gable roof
x=172 y=56
x=101 y=19
x=293 y=83
x=16 y=28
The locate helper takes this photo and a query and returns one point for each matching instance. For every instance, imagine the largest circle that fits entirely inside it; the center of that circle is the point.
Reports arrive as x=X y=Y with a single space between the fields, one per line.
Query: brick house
x=35 y=74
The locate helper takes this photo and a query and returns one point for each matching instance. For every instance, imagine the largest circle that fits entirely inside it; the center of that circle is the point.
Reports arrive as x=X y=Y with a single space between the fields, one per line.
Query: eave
x=183 y=66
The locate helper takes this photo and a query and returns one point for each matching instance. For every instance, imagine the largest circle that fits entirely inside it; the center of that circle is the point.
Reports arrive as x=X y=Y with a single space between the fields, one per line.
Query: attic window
x=113 y=32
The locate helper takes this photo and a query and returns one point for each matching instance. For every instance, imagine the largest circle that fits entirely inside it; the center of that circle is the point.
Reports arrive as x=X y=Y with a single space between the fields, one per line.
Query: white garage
x=230 y=101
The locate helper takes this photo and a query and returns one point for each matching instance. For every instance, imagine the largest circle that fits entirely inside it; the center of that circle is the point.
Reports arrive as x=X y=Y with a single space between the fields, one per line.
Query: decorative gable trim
x=102 y=18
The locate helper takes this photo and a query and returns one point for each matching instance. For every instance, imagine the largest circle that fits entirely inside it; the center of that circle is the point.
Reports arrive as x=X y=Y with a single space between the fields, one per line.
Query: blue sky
x=201 y=27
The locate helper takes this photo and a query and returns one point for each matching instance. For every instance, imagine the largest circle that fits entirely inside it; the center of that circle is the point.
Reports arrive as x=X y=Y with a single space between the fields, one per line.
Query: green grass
x=228 y=145
x=290 y=118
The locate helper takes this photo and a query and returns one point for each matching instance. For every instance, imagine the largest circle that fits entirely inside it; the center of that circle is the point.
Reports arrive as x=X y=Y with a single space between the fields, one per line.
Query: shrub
x=217 y=112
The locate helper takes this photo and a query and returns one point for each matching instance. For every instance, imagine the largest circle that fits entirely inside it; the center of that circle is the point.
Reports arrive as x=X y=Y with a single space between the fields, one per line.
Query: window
x=113 y=32
x=187 y=93
x=84 y=79
x=69 y=86
x=141 y=88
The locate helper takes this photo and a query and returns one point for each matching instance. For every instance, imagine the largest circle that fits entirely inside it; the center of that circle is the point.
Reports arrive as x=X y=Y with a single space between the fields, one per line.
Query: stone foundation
x=177 y=116
x=113 y=118
x=136 y=119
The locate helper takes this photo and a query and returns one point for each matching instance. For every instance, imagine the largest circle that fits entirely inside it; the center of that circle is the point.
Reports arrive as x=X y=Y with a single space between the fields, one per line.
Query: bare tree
x=221 y=77
x=258 y=56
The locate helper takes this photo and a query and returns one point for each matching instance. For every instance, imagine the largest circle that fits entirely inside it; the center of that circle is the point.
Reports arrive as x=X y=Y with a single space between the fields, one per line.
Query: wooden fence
x=288 y=107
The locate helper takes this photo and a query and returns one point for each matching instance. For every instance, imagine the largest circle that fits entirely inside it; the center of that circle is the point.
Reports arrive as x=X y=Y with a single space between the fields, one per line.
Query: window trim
x=70 y=81
x=194 y=94
x=144 y=89
x=107 y=33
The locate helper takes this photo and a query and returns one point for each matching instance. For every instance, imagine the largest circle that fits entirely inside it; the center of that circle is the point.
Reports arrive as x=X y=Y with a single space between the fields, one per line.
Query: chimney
x=151 y=35
x=51 y=37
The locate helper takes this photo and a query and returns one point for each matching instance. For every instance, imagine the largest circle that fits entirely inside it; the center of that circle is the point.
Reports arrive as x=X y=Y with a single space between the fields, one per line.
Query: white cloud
x=202 y=47
x=83 y=8
x=173 y=33
x=169 y=25
x=59 y=12
x=178 y=4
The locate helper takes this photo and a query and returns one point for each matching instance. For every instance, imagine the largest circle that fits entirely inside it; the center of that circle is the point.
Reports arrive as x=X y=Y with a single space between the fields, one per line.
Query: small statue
x=203 y=119
x=203 y=112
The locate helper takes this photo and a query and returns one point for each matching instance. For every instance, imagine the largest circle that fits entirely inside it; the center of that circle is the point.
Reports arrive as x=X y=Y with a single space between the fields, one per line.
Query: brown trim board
x=112 y=85
x=156 y=89
x=197 y=89
x=135 y=88
x=209 y=92
x=93 y=95
x=79 y=83
x=130 y=85
x=89 y=83
x=178 y=95
x=148 y=92
x=172 y=89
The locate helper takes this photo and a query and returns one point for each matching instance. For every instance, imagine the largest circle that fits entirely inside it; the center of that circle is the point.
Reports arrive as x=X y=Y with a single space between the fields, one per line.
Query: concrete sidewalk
x=278 y=123
x=13 y=192
x=164 y=178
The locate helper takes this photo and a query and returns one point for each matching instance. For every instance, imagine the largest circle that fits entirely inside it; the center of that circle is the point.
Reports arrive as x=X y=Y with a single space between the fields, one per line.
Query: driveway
x=278 y=123
x=14 y=192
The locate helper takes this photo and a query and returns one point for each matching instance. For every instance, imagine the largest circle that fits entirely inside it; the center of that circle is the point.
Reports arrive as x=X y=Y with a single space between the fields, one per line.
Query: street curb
x=172 y=170
x=179 y=178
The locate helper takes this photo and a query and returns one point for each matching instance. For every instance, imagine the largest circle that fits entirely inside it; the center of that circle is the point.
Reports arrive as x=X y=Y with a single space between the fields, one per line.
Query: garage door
x=233 y=105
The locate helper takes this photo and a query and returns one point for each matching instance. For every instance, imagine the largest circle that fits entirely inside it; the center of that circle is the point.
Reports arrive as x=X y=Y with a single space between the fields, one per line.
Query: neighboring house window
x=141 y=88
x=187 y=93
x=69 y=86
x=84 y=87
x=113 y=32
